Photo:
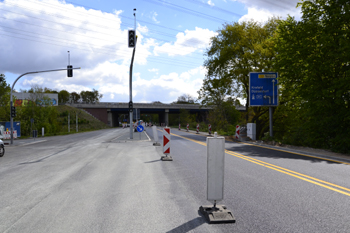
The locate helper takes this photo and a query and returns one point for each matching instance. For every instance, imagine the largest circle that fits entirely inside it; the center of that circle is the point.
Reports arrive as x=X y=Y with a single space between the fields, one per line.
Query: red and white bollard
x=179 y=126
x=209 y=129
x=187 y=127
x=166 y=145
x=197 y=129
x=237 y=131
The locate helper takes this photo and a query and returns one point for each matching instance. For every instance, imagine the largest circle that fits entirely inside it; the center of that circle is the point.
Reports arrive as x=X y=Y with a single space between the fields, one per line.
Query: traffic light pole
x=130 y=91
x=13 y=85
x=130 y=80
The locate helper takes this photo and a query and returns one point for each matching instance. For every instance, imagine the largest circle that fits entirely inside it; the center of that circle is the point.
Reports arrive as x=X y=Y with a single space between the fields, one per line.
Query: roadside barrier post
x=155 y=136
x=166 y=145
x=237 y=131
x=215 y=182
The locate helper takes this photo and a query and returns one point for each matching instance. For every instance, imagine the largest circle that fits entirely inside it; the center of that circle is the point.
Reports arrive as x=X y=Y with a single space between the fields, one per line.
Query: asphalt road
x=103 y=182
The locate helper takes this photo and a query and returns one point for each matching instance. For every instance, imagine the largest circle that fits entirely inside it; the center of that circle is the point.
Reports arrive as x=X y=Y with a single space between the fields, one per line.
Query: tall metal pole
x=68 y=122
x=76 y=121
x=271 y=126
x=130 y=82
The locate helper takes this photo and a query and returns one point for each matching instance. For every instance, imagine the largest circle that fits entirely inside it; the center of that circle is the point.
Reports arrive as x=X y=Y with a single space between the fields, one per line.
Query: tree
x=5 y=91
x=185 y=99
x=37 y=96
x=74 y=97
x=90 y=96
x=63 y=96
x=314 y=68
x=238 y=49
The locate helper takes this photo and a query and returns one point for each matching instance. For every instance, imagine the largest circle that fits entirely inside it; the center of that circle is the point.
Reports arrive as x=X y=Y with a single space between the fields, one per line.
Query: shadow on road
x=188 y=226
x=153 y=161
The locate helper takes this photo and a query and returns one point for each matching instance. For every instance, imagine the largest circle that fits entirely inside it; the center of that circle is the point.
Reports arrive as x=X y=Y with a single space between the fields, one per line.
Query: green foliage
x=63 y=96
x=5 y=90
x=238 y=49
x=90 y=96
x=185 y=99
x=223 y=115
x=314 y=74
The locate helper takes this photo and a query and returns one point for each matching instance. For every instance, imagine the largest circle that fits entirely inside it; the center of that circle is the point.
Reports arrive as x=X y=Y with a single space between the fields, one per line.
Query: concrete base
x=219 y=214
x=166 y=158
x=156 y=144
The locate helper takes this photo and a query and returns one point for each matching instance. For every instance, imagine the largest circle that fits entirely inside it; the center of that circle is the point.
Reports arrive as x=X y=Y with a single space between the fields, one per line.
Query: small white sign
x=215 y=168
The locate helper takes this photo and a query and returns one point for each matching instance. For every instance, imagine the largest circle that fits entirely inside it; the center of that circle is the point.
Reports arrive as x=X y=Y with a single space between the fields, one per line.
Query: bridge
x=111 y=112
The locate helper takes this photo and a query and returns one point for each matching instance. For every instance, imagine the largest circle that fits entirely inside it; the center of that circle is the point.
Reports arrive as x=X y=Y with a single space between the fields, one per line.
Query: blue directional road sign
x=140 y=128
x=263 y=89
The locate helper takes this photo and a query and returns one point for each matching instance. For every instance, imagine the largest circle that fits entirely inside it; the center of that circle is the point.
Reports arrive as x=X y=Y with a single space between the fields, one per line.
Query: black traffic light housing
x=69 y=71
x=130 y=106
x=131 y=38
x=13 y=111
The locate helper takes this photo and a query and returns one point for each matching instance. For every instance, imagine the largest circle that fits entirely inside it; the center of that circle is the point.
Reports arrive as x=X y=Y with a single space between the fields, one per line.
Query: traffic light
x=13 y=111
x=130 y=106
x=131 y=38
x=69 y=71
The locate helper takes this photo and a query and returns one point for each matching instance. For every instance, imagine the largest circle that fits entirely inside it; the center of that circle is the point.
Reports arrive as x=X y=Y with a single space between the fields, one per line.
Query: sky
x=36 y=35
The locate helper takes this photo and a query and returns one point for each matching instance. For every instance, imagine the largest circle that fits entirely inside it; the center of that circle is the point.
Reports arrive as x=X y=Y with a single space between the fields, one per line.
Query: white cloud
x=261 y=10
x=154 y=17
x=211 y=3
x=187 y=42
x=256 y=15
x=153 y=70
x=98 y=45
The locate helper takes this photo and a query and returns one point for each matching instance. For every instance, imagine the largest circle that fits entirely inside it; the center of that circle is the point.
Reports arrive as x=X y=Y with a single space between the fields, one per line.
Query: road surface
x=103 y=182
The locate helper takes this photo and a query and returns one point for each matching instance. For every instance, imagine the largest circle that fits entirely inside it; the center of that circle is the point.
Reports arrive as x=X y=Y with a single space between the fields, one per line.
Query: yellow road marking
x=298 y=175
x=291 y=152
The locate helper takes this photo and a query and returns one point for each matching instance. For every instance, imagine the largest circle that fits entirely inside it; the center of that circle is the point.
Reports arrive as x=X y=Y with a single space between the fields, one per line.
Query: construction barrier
x=197 y=128
x=209 y=129
x=7 y=134
x=187 y=127
x=166 y=141
x=237 y=131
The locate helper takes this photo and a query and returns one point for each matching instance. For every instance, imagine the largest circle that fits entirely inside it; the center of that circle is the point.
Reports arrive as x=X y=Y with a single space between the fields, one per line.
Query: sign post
x=263 y=91
x=215 y=182
x=140 y=129
x=155 y=136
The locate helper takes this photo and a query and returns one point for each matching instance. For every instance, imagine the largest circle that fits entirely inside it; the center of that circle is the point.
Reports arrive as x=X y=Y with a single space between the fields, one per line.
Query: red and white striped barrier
x=7 y=134
x=166 y=141
x=179 y=126
x=209 y=129
x=237 y=131
x=187 y=127
x=197 y=128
